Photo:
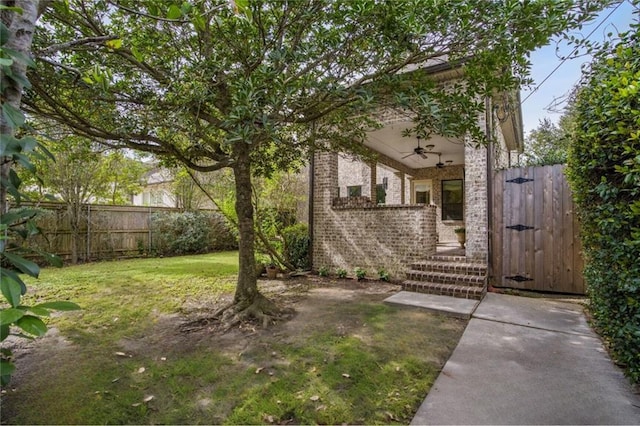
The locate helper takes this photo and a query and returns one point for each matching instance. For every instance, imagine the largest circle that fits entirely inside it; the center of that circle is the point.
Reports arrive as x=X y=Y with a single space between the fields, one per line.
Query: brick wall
x=350 y=233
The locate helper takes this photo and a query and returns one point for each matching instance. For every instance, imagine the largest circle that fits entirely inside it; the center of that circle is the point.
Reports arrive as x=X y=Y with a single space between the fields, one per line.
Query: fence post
x=88 y=233
x=149 y=227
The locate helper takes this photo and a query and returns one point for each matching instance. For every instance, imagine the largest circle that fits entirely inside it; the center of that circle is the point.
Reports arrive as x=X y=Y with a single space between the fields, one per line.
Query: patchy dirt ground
x=309 y=300
x=315 y=305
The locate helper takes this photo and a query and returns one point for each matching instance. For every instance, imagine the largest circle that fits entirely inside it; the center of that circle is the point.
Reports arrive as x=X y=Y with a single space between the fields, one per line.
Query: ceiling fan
x=421 y=151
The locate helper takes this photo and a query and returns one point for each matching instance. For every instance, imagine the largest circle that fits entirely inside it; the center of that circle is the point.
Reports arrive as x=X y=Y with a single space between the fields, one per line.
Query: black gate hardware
x=519 y=278
x=520 y=180
x=519 y=227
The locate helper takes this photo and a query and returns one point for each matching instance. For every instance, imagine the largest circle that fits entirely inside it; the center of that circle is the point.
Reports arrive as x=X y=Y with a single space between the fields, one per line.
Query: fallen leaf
x=141 y=370
x=345 y=375
x=315 y=398
x=321 y=407
x=115 y=380
x=397 y=368
x=259 y=369
x=121 y=354
x=268 y=418
x=163 y=358
x=137 y=404
x=148 y=398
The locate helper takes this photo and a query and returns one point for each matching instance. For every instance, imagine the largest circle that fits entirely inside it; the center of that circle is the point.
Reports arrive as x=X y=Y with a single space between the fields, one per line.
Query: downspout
x=489 y=133
x=312 y=165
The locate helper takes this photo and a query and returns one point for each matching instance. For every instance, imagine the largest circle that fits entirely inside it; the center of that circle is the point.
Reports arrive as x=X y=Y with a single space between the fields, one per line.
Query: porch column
x=374 y=178
x=475 y=203
x=325 y=189
x=401 y=176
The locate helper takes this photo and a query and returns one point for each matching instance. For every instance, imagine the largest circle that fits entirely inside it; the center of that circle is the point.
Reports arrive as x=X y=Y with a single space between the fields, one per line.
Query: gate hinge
x=520 y=180
x=519 y=278
x=519 y=227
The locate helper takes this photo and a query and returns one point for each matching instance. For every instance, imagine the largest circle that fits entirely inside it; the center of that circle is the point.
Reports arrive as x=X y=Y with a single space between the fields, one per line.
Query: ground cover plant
x=144 y=350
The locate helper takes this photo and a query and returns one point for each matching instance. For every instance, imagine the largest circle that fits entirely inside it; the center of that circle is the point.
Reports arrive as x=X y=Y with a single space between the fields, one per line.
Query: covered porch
x=401 y=208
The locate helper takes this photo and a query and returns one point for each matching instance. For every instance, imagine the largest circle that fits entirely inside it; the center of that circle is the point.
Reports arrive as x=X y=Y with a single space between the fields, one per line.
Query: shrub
x=296 y=245
x=383 y=275
x=360 y=273
x=341 y=273
x=189 y=232
x=604 y=174
x=323 y=271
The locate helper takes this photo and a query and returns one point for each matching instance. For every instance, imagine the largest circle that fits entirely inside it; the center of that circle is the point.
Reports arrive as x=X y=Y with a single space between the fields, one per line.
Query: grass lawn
x=127 y=357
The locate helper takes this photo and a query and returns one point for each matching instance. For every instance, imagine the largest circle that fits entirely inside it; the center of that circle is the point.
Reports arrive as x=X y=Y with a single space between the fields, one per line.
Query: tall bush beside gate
x=604 y=174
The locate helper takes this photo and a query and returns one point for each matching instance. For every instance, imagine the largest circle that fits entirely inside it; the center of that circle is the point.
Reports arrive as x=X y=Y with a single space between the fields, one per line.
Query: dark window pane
x=452 y=200
x=354 y=191
x=381 y=194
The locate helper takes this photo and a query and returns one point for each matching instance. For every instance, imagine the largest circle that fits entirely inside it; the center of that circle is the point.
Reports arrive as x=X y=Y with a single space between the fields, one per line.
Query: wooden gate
x=535 y=240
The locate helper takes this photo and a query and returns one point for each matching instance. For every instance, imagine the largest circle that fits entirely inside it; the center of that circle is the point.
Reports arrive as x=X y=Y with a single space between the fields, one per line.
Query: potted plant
x=272 y=271
x=461 y=233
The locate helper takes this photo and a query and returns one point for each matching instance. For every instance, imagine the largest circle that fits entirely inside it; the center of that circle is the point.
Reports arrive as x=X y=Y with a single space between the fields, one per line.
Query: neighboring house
x=157 y=190
x=393 y=213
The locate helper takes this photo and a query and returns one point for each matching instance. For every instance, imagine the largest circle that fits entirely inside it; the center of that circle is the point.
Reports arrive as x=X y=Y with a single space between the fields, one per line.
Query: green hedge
x=296 y=245
x=604 y=174
x=190 y=232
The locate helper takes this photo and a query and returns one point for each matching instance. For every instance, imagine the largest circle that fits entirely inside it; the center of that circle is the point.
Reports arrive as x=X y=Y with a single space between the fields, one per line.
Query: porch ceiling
x=390 y=142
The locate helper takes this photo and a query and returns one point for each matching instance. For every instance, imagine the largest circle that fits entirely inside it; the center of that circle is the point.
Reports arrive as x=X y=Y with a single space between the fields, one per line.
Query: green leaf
x=10 y=289
x=42 y=312
x=10 y=315
x=4 y=34
x=174 y=12
x=21 y=57
x=32 y=325
x=52 y=259
x=26 y=266
x=6 y=62
x=15 y=216
x=13 y=115
x=16 y=278
x=9 y=145
x=4 y=332
x=114 y=44
x=15 y=9
x=6 y=368
x=59 y=306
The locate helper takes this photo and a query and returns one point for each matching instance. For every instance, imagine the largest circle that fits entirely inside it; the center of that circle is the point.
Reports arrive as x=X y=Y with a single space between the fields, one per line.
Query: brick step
x=446 y=258
x=447 y=278
x=460 y=291
x=450 y=267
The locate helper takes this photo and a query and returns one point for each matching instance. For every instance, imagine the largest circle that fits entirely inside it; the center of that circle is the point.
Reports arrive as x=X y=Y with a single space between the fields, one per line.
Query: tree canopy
x=255 y=85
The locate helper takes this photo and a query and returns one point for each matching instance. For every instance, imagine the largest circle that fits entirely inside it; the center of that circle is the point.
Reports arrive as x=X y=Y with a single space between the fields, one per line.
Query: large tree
x=254 y=85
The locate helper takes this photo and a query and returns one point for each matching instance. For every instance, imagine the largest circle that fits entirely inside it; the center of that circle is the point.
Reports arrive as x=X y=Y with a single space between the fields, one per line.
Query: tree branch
x=74 y=43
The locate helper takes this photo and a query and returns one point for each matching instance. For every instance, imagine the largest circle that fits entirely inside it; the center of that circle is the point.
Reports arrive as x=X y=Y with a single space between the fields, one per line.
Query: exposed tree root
x=261 y=310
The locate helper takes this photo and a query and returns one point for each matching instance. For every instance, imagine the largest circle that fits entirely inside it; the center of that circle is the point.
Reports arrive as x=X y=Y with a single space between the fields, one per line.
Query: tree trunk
x=21 y=27
x=247 y=288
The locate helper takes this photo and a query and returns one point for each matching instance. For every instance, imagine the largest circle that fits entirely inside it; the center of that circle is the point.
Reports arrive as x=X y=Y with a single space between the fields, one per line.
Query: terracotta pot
x=272 y=272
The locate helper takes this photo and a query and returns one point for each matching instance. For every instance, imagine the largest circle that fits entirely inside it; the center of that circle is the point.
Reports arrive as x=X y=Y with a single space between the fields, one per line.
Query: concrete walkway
x=529 y=361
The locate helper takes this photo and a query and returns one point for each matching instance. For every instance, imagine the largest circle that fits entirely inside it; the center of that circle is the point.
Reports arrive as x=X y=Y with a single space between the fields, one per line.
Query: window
x=381 y=194
x=422 y=192
x=452 y=200
x=354 y=191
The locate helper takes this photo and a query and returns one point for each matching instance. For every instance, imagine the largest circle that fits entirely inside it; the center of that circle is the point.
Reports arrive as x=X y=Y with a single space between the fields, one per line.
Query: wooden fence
x=105 y=231
x=535 y=240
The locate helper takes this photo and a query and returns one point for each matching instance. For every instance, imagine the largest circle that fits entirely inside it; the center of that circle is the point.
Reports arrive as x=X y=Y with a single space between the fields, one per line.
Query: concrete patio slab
x=452 y=306
x=529 y=361
x=543 y=313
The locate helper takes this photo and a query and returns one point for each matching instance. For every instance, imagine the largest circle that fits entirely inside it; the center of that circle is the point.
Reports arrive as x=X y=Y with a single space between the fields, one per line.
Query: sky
x=561 y=81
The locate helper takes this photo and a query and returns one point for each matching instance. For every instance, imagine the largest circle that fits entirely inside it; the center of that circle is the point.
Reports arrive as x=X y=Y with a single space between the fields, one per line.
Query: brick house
x=396 y=211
